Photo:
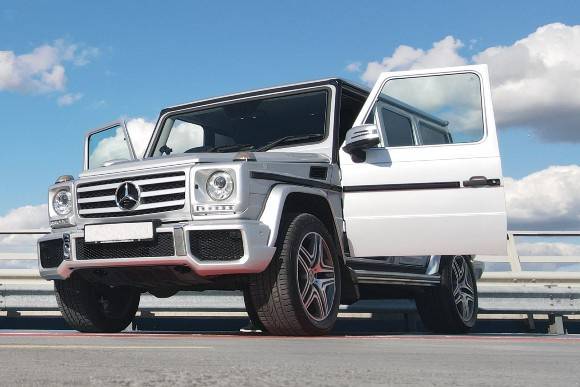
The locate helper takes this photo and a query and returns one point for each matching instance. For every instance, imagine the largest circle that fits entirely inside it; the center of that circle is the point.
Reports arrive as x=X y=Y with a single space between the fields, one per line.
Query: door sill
x=395 y=278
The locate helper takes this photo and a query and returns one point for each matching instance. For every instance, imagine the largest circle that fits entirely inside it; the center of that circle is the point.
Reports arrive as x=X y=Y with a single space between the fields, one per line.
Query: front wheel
x=299 y=293
x=94 y=308
x=451 y=307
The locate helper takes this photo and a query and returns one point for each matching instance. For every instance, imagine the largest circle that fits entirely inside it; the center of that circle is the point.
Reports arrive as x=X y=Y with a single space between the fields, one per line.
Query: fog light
x=66 y=246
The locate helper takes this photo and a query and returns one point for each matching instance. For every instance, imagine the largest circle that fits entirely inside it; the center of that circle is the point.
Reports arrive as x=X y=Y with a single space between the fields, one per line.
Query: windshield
x=249 y=125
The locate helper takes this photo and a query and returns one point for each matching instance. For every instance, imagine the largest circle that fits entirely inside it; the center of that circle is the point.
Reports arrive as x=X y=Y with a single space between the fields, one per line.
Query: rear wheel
x=88 y=307
x=451 y=307
x=299 y=293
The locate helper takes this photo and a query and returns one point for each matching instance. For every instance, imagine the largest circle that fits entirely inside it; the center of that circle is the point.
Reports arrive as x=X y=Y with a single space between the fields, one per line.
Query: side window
x=398 y=128
x=432 y=135
x=107 y=145
x=447 y=108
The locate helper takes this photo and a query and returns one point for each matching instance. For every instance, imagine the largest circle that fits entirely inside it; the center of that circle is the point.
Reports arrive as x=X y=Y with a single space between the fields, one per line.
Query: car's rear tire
x=299 y=293
x=452 y=306
x=94 y=308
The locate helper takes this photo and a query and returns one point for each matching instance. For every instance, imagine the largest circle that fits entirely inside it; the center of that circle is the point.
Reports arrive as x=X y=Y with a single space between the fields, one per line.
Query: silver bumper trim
x=257 y=253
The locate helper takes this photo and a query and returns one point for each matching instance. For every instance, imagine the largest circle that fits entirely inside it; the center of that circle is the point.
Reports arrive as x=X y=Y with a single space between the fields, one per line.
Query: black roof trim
x=252 y=93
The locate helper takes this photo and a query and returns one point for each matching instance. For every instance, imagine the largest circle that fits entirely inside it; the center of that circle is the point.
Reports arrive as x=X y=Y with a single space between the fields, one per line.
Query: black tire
x=437 y=306
x=94 y=308
x=276 y=292
x=255 y=322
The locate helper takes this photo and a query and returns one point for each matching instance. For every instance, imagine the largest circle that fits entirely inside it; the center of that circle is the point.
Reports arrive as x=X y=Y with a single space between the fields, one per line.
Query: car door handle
x=480 y=181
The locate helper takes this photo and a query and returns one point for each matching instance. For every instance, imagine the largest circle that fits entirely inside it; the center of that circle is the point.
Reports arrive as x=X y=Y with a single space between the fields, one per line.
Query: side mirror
x=361 y=138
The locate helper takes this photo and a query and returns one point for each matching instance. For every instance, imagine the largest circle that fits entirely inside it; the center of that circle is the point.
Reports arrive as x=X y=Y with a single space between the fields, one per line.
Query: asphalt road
x=146 y=359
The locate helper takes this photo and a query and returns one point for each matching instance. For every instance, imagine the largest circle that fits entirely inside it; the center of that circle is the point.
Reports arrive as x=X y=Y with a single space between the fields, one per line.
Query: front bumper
x=254 y=234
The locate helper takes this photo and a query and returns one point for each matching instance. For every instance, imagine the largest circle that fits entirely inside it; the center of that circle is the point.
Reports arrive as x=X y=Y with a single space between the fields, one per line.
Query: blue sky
x=139 y=56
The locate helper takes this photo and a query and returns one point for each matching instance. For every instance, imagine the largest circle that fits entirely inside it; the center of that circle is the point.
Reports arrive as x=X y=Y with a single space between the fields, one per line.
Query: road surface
x=47 y=358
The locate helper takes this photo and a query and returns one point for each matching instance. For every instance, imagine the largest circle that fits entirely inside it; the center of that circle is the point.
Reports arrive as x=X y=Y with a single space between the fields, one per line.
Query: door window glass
x=398 y=128
x=108 y=145
x=448 y=105
x=432 y=135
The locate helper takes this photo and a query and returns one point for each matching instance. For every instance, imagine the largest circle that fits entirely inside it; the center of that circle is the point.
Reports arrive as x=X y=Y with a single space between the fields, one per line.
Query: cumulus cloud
x=22 y=218
x=443 y=53
x=140 y=131
x=43 y=69
x=548 y=249
x=545 y=200
x=534 y=80
x=68 y=99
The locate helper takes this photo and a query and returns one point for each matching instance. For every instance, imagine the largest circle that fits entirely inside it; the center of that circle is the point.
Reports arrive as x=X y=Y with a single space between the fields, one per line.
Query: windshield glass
x=249 y=125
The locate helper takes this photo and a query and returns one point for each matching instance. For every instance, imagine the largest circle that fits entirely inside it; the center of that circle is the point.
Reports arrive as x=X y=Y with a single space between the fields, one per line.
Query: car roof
x=328 y=81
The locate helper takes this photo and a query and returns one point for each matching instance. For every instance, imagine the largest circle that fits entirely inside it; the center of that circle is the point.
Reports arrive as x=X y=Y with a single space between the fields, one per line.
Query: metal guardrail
x=516 y=291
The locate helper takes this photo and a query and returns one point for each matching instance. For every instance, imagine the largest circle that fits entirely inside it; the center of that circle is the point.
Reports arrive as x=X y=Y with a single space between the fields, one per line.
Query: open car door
x=107 y=145
x=433 y=185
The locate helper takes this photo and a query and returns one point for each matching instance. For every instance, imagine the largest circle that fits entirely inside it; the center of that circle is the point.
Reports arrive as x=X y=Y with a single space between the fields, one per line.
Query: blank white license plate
x=119 y=232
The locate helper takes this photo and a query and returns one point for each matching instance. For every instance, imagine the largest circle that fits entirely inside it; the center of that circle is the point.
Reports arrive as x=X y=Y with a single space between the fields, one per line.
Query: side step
x=394 y=278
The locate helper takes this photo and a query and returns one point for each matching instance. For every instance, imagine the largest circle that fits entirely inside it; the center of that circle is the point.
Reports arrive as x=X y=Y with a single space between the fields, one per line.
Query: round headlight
x=220 y=185
x=62 y=202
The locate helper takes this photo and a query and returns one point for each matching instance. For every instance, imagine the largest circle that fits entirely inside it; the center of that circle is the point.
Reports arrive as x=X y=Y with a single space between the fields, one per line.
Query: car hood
x=200 y=158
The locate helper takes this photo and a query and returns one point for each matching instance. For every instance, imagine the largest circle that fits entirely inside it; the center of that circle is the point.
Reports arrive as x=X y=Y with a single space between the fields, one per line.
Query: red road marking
x=141 y=335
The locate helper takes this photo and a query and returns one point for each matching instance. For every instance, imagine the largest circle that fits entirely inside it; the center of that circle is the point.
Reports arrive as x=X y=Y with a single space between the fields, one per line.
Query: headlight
x=220 y=185
x=62 y=202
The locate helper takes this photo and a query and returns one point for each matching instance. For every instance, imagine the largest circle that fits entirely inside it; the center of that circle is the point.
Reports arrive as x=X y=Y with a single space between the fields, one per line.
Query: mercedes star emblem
x=127 y=196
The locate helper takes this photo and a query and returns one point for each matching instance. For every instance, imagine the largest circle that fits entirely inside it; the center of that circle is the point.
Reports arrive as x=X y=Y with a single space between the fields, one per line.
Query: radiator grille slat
x=160 y=192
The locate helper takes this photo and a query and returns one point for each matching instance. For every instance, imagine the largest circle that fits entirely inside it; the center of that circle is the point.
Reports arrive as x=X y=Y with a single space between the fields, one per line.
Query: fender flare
x=273 y=208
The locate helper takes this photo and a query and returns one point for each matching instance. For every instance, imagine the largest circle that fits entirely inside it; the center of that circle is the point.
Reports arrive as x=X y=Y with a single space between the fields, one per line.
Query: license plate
x=119 y=232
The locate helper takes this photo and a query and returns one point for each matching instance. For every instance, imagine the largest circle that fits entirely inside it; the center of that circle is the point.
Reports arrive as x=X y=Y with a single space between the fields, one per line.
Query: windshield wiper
x=232 y=147
x=287 y=139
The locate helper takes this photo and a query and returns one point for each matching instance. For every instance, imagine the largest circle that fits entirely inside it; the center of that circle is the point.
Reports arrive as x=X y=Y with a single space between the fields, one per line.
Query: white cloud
x=68 y=99
x=43 y=69
x=140 y=131
x=354 y=67
x=544 y=200
x=535 y=80
x=548 y=249
x=22 y=218
x=443 y=53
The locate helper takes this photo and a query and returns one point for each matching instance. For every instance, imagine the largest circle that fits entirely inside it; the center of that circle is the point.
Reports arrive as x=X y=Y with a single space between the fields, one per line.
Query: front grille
x=216 y=245
x=161 y=246
x=51 y=253
x=160 y=192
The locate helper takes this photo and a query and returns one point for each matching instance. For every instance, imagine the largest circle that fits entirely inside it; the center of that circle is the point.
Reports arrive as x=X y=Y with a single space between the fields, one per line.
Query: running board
x=393 y=278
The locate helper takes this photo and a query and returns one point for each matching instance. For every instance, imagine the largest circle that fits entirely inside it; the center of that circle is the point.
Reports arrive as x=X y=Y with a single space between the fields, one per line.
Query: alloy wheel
x=463 y=288
x=316 y=276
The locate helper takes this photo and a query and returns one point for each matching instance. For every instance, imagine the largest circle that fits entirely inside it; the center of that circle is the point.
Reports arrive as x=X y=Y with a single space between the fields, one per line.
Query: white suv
x=304 y=197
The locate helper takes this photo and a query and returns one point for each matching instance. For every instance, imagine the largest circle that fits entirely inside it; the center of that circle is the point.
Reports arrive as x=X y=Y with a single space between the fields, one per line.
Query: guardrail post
x=556 y=325
x=514 y=258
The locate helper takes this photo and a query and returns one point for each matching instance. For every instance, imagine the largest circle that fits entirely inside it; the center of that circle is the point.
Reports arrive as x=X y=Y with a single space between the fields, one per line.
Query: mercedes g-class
x=304 y=197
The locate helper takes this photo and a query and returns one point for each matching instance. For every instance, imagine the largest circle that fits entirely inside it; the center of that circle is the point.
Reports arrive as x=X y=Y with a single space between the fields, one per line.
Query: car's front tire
x=452 y=306
x=94 y=308
x=299 y=293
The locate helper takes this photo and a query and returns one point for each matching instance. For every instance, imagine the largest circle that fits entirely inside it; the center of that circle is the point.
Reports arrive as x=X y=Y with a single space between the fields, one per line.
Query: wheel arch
x=286 y=199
